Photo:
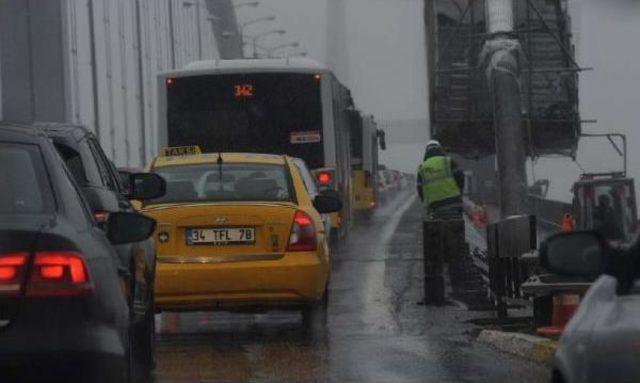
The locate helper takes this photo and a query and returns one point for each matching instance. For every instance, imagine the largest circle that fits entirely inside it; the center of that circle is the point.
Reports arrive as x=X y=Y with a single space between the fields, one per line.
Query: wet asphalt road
x=376 y=331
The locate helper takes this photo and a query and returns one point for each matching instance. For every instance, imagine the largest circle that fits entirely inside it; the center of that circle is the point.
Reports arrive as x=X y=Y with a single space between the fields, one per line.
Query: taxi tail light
x=303 y=233
x=12 y=268
x=58 y=274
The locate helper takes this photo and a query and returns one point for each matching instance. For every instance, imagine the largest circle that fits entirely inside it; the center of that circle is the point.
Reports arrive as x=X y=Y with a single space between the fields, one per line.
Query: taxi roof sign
x=178 y=151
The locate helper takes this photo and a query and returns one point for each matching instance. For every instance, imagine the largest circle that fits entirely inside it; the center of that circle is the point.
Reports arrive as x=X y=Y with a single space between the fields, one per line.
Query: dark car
x=601 y=343
x=64 y=314
x=100 y=184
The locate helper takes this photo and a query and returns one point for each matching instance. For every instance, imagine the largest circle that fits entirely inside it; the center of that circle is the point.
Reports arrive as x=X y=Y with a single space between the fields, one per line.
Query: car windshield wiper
x=219 y=161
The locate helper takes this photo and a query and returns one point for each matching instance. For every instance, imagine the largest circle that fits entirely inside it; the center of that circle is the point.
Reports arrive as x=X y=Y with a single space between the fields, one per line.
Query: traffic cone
x=475 y=215
x=564 y=306
x=567 y=223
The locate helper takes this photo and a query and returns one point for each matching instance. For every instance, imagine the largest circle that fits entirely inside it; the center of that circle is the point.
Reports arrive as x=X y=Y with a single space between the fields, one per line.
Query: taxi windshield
x=225 y=183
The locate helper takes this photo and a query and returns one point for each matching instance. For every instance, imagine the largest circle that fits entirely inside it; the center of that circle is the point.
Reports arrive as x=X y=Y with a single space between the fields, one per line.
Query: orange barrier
x=564 y=306
x=567 y=223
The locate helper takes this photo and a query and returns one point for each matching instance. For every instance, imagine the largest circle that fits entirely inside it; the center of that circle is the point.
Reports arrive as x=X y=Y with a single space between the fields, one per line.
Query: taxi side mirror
x=146 y=186
x=123 y=228
x=327 y=202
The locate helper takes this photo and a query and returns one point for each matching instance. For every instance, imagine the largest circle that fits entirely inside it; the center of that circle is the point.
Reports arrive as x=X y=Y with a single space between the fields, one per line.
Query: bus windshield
x=255 y=112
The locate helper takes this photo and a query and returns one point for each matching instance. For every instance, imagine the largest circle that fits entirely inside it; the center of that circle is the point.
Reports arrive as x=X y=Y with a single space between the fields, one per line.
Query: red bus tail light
x=58 y=273
x=303 y=233
x=324 y=178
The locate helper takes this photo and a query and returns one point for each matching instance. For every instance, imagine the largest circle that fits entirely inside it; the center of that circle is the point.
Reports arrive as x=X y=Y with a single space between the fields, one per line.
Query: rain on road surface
x=376 y=331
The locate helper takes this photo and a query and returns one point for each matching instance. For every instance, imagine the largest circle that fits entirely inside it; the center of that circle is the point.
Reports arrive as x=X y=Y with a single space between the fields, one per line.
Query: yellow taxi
x=238 y=231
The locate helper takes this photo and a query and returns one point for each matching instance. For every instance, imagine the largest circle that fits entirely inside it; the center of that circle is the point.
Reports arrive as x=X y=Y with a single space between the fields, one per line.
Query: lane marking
x=376 y=298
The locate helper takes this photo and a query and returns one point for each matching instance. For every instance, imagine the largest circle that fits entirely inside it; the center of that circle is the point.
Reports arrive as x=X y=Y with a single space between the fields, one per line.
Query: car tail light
x=12 y=267
x=53 y=274
x=303 y=233
x=100 y=216
x=324 y=178
x=58 y=274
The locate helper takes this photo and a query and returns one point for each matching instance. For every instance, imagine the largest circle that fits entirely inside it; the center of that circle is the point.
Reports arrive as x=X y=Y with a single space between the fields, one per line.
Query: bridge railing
x=504 y=251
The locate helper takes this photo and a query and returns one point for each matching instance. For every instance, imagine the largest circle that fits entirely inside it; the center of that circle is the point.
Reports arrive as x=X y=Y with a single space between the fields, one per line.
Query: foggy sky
x=386 y=56
x=606 y=37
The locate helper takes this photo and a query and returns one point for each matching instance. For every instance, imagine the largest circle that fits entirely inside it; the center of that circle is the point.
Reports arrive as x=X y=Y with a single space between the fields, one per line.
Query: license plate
x=221 y=236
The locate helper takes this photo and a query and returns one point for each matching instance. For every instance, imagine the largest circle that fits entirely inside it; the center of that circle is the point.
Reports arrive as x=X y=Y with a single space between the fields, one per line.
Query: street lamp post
x=254 y=21
x=252 y=4
x=281 y=46
x=255 y=38
x=258 y=20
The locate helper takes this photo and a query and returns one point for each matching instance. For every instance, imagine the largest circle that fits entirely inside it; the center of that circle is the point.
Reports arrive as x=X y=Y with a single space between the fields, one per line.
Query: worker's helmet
x=432 y=144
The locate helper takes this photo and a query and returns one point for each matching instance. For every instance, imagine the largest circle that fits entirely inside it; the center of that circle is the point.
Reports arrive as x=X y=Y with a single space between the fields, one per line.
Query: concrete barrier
x=533 y=348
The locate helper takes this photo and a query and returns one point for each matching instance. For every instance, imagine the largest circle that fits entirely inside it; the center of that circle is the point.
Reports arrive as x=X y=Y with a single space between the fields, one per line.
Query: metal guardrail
x=501 y=263
x=507 y=241
x=505 y=254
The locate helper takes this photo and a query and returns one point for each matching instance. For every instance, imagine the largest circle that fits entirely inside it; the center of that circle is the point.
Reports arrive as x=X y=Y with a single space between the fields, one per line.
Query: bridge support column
x=500 y=56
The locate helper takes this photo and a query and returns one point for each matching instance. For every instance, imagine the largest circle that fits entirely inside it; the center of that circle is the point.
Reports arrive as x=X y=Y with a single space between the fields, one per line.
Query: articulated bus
x=365 y=138
x=291 y=106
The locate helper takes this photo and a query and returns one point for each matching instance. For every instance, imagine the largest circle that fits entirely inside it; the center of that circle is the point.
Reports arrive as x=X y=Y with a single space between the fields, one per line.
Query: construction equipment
x=603 y=202
x=461 y=101
x=606 y=202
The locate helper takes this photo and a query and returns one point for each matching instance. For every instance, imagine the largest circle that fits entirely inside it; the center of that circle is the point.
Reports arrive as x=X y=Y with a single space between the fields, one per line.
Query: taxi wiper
x=220 y=162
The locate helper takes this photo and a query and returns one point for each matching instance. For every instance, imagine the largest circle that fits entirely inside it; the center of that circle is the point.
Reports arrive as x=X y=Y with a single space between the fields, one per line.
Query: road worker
x=440 y=182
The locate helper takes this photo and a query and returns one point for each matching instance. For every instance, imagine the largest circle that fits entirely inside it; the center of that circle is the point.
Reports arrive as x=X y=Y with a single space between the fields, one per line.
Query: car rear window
x=227 y=182
x=24 y=183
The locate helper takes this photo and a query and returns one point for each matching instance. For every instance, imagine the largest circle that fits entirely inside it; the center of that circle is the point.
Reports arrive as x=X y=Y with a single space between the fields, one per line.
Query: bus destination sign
x=243 y=90
x=307 y=137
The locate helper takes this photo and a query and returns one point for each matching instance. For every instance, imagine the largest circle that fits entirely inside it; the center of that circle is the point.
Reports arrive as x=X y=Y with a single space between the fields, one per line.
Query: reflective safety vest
x=437 y=180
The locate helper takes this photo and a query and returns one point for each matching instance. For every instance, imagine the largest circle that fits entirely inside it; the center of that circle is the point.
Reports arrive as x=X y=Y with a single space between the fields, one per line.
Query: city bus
x=292 y=106
x=365 y=138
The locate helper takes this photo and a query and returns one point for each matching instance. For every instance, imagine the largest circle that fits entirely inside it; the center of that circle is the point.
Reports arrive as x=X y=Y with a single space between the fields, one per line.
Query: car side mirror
x=577 y=254
x=146 y=186
x=382 y=139
x=327 y=202
x=123 y=228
